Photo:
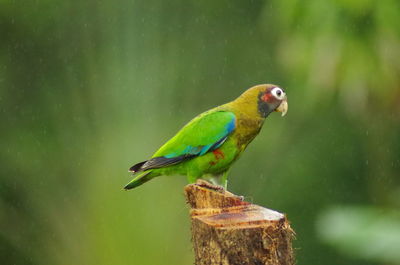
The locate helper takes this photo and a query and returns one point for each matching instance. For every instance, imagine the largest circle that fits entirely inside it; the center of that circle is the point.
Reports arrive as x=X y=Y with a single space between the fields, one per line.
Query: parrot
x=207 y=146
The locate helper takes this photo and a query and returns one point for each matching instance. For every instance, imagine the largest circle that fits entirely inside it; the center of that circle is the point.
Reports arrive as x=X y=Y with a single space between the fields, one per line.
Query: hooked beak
x=283 y=107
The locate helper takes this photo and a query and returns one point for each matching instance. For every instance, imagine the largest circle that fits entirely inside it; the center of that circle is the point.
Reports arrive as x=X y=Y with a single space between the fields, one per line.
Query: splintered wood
x=227 y=230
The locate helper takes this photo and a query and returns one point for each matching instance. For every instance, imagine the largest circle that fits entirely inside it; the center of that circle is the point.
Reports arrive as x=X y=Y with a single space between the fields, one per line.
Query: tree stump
x=226 y=230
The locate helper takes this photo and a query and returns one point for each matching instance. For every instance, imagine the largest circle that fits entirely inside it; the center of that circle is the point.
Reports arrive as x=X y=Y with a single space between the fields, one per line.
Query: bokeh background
x=88 y=88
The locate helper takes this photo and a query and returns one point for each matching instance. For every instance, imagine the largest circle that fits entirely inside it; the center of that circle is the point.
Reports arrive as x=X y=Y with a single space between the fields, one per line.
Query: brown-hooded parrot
x=208 y=145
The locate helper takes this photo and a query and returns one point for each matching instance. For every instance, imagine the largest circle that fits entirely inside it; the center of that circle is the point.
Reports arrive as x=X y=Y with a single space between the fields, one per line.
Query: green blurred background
x=88 y=88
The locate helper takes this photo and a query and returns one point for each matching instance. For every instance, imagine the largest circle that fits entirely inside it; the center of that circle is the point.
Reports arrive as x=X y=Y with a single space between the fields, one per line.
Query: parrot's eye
x=278 y=93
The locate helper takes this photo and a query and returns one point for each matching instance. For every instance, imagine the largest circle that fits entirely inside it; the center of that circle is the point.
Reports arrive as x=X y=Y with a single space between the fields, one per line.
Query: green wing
x=199 y=135
x=204 y=133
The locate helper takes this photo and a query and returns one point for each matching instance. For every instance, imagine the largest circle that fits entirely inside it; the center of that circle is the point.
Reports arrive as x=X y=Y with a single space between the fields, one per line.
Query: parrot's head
x=272 y=98
x=268 y=98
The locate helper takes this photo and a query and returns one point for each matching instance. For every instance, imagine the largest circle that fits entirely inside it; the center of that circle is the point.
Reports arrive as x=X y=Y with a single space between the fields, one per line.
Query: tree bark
x=227 y=230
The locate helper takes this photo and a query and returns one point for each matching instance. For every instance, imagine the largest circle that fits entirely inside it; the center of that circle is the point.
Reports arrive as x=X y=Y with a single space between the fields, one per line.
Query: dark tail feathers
x=138 y=180
x=137 y=167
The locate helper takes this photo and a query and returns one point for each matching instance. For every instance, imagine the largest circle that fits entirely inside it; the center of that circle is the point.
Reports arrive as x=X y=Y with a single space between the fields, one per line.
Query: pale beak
x=283 y=107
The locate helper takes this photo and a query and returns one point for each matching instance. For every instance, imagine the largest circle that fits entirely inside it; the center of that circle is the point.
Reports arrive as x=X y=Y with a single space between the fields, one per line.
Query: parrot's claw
x=240 y=197
x=205 y=184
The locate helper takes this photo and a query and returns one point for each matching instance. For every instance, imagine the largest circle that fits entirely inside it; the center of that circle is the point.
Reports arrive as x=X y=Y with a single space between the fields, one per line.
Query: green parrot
x=208 y=145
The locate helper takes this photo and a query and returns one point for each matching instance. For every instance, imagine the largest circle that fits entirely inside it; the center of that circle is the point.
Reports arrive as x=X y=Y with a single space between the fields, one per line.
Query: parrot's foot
x=208 y=185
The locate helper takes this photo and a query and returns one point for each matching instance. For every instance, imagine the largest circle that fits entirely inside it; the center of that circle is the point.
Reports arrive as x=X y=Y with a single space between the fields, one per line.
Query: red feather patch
x=266 y=97
x=218 y=154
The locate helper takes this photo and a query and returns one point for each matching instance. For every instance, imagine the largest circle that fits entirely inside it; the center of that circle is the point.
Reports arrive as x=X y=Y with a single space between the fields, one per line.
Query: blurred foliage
x=87 y=88
x=369 y=233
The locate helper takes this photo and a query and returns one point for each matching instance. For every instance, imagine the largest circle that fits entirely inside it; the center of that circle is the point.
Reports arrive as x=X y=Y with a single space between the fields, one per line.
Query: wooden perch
x=227 y=230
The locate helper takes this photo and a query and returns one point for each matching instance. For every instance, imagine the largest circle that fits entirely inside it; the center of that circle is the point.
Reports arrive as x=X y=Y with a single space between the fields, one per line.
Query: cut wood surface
x=228 y=230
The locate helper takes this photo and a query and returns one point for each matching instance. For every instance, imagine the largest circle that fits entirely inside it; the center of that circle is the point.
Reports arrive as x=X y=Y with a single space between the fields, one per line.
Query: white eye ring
x=278 y=93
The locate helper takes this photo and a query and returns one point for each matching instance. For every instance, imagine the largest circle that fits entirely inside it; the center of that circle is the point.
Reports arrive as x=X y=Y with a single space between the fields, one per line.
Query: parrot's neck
x=248 y=108
x=248 y=120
